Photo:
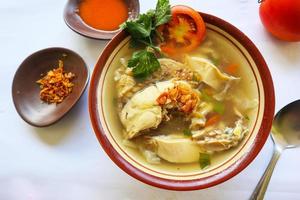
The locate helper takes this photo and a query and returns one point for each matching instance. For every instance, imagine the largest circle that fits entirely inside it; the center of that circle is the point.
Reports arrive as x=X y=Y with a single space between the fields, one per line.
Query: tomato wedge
x=184 y=32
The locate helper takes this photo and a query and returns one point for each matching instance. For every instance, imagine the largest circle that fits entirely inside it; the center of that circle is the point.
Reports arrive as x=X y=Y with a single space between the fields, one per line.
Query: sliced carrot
x=213 y=120
x=231 y=69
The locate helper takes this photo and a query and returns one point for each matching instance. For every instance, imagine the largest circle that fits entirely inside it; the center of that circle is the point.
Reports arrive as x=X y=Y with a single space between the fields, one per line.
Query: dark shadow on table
x=58 y=132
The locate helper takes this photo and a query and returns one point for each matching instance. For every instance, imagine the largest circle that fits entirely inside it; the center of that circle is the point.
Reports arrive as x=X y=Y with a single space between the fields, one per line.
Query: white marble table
x=65 y=161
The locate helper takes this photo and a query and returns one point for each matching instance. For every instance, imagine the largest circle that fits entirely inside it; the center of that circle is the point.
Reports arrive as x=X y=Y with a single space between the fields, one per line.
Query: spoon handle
x=261 y=187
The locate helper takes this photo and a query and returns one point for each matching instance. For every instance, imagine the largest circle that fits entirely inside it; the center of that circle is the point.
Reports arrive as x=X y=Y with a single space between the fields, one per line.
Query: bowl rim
x=186 y=185
x=31 y=56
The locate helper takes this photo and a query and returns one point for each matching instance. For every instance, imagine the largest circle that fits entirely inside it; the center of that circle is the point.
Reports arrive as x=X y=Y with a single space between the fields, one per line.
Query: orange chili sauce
x=103 y=14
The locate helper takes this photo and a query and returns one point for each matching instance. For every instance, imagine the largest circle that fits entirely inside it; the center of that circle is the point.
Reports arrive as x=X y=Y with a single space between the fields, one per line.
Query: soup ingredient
x=214 y=139
x=187 y=132
x=56 y=85
x=143 y=63
x=147 y=108
x=213 y=120
x=204 y=160
x=184 y=109
x=281 y=18
x=143 y=110
x=184 y=32
x=99 y=14
x=162 y=12
x=219 y=107
x=181 y=97
x=209 y=73
x=143 y=31
x=231 y=69
x=175 y=149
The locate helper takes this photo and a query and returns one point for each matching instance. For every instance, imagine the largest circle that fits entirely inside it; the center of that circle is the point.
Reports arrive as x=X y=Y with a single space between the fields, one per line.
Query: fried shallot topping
x=56 y=85
x=179 y=97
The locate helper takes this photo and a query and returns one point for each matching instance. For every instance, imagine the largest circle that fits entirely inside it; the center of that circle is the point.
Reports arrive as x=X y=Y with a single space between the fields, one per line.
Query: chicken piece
x=202 y=133
x=198 y=119
x=125 y=84
x=173 y=69
x=244 y=104
x=142 y=111
x=124 y=80
x=167 y=64
x=176 y=148
x=215 y=145
x=220 y=140
x=209 y=73
x=150 y=156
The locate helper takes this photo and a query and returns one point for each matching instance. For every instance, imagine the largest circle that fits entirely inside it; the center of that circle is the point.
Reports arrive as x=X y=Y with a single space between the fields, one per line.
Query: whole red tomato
x=281 y=18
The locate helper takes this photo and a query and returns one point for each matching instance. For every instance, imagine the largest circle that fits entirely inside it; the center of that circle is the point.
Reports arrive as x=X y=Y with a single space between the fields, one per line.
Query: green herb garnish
x=219 y=107
x=143 y=33
x=187 y=132
x=206 y=97
x=215 y=61
x=204 y=160
x=162 y=12
x=143 y=63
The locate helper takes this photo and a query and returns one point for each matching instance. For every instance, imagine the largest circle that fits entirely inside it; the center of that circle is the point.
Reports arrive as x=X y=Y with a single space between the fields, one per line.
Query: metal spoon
x=285 y=134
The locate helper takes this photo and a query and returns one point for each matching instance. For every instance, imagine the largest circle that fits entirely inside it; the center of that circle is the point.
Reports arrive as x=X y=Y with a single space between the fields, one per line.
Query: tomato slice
x=184 y=32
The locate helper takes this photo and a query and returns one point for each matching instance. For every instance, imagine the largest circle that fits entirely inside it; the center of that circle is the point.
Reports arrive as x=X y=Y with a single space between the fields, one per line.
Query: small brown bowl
x=74 y=21
x=25 y=90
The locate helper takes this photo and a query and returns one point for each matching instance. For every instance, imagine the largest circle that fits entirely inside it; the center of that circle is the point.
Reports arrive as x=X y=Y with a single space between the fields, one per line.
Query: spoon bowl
x=74 y=21
x=286 y=126
x=285 y=134
x=25 y=90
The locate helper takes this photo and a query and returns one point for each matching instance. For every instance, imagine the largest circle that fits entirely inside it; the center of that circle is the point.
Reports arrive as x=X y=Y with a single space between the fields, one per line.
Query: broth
x=224 y=53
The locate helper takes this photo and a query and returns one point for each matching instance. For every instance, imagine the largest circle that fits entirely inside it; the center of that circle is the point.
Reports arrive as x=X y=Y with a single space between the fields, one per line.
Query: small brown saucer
x=25 y=90
x=74 y=21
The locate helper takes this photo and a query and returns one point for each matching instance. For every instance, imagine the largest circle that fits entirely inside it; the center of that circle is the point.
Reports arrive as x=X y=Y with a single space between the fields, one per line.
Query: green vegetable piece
x=196 y=77
x=162 y=12
x=187 y=132
x=204 y=160
x=247 y=117
x=206 y=97
x=215 y=61
x=143 y=63
x=219 y=107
